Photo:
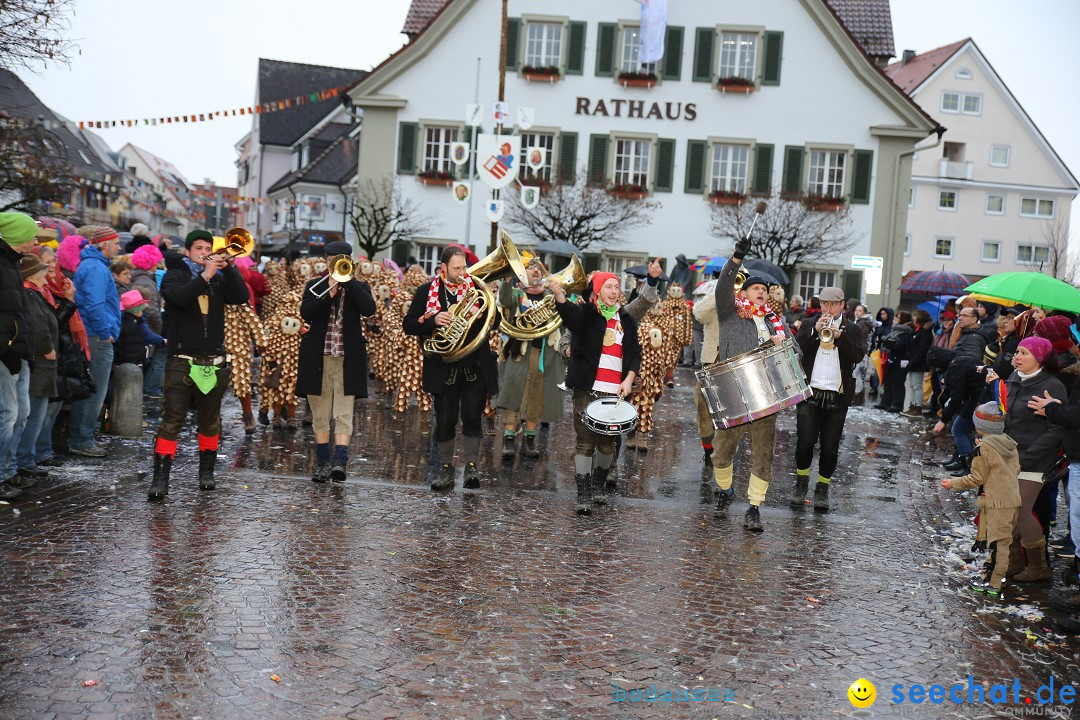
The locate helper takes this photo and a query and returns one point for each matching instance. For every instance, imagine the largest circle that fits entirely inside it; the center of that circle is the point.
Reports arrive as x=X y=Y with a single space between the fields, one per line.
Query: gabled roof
x=913 y=73
x=162 y=168
x=868 y=21
x=18 y=101
x=279 y=80
x=333 y=166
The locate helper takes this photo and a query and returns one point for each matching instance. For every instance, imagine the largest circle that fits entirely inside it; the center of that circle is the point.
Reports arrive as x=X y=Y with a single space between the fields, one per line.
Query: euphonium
x=542 y=319
x=450 y=342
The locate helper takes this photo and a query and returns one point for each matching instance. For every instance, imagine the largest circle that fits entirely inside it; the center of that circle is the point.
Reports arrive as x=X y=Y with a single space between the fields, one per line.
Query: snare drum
x=754 y=385
x=610 y=416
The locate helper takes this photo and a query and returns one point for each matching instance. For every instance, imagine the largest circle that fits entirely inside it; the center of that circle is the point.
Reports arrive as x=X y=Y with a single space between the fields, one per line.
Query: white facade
x=154 y=171
x=829 y=98
x=983 y=202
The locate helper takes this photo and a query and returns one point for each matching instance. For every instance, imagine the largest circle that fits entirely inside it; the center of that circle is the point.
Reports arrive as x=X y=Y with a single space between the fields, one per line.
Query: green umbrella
x=1029 y=288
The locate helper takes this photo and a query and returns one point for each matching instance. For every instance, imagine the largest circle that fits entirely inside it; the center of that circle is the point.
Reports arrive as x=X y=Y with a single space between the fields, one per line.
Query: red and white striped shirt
x=609 y=373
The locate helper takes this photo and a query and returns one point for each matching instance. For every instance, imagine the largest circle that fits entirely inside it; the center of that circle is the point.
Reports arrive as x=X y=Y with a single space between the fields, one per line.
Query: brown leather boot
x=1016 y=559
x=1036 y=569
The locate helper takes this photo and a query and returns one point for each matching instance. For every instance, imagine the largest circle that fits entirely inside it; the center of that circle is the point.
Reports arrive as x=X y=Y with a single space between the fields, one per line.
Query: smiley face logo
x=862 y=693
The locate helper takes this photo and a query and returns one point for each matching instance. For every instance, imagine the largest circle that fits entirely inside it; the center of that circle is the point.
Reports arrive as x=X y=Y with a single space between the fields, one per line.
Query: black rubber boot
x=952 y=463
x=584 y=494
x=207 y=460
x=798 y=493
x=599 y=482
x=472 y=477
x=159 y=486
x=529 y=448
x=821 y=497
x=965 y=467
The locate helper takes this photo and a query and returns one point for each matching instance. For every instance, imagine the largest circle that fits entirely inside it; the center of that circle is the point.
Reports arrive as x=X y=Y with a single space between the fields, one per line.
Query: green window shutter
x=575 y=51
x=567 y=169
x=774 y=51
x=513 y=31
x=763 y=155
x=860 y=180
x=793 y=160
x=704 y=41
x=695 y=165
x=598 y=151
x=406 y=151
x=605 y=49
x=672 y=62
x=665 y=166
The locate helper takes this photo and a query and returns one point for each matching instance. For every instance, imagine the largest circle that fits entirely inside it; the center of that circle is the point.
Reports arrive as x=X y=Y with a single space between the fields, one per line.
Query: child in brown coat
x=995 y=466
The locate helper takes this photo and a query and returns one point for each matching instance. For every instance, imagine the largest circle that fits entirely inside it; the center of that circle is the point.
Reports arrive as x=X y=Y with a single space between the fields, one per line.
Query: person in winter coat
x=1038 y=439
x=146 y=260
x=965 y=382
x=135 y=332
x=16 y=330
x=897 y=347
x=916 y=367
x=42 y=374
x=99 y=307
x=942 y=335
x=994 y=468
x=333 y=363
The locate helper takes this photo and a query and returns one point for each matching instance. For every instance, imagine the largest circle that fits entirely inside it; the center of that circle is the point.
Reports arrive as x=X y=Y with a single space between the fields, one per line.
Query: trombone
x=340 y=271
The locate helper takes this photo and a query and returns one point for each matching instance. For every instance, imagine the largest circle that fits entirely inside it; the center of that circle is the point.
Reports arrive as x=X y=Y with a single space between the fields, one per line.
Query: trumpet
x=237 y=242
x=340 y=271
x=830 y=332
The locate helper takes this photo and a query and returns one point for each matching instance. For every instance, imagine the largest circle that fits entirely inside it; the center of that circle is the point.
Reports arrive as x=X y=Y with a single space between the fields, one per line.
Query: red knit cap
x=103 y=234
x=598 y=281
x=1055 y=329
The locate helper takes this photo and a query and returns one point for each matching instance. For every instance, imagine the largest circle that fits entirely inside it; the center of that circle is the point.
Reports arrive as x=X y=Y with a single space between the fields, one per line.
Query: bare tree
x=1060 y=263
x=32 y=168
x=581 y=213
x=791 y=231
x=381 y=216
x=33 y=32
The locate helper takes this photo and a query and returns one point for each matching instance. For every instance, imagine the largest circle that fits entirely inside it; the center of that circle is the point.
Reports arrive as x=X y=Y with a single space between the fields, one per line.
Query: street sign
x=867 y=262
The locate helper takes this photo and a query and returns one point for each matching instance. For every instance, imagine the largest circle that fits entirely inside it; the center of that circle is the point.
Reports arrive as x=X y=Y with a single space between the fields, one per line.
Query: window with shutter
x=673 y=46
x=575 y=54
x=567 y=157
x=774 y=51
x=407 y=148
x=793 y=161
x=860 y=180
x=665 y=165
x=598 y=150
x=695 y=166
x=704 y=43
x=763 y=161
x=605 y=49
x=513 y=33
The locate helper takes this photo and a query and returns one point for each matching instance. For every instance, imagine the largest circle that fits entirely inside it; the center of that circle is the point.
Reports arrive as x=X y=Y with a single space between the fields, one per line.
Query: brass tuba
x=477 y=305
x=542 y=319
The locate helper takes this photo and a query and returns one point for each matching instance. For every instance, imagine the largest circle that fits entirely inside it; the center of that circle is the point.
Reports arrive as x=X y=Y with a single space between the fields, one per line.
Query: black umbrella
x=642 y=271
x=771 y=271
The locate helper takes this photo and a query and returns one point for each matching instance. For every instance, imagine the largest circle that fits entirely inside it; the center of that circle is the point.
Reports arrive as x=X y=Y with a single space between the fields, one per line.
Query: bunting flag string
x=267 y=107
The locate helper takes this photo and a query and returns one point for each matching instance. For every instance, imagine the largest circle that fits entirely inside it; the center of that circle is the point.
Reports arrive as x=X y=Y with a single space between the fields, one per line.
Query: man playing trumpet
x=831 y=348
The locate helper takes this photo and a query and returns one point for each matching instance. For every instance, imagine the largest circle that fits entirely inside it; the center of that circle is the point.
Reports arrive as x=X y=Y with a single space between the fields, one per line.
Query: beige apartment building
x=993 y=196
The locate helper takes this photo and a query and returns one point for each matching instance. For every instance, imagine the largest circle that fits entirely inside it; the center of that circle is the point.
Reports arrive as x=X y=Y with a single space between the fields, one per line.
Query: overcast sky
x=143 y=58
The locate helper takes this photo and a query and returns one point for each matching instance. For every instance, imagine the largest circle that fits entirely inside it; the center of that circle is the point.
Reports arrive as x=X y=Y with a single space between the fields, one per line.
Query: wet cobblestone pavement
x=277 y=598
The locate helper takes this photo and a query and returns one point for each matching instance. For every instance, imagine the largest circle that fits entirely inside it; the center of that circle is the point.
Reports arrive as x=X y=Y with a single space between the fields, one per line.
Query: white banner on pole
x=653 y=27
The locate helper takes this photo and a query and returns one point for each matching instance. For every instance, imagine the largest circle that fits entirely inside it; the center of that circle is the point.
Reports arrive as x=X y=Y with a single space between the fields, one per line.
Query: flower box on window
x=534 y=181
x=433 y=177
x=726 y=197
x=549 y=74
x=735 y=84
x=628 y=191
x=824 y=203
x=637 y=79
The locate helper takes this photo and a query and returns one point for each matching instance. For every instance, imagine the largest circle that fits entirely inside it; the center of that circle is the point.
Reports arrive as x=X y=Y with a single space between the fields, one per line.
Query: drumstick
x=759 y=210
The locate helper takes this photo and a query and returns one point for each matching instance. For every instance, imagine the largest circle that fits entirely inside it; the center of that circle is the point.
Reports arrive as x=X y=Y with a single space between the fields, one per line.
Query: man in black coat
x=333 y=360
x=460 y=388
x=196 y=292
x=829 y=367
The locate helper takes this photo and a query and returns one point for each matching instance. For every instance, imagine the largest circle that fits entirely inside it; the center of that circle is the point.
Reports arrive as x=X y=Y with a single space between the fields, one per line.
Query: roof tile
x=279 y=80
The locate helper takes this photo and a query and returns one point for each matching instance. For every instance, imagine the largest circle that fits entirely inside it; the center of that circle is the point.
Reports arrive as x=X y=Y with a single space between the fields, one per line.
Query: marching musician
x=460 y=388
x=831 y=348
x=333 y=361
x=744 y=322
x=196 y=291
x=531 y=370
x=604 y=359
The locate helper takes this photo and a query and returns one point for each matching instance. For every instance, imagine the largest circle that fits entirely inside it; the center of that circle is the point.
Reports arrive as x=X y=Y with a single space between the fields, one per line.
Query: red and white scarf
x=434 y=306
x=747 y=310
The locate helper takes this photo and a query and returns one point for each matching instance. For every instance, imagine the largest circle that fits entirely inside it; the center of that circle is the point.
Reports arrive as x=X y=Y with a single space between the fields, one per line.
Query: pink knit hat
x=68 y=252
x=146 y=257
x=1040 y=348
x=1056 y=329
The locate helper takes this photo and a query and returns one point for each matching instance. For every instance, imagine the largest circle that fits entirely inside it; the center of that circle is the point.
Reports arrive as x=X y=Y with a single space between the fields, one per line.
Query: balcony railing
x=956 y=170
